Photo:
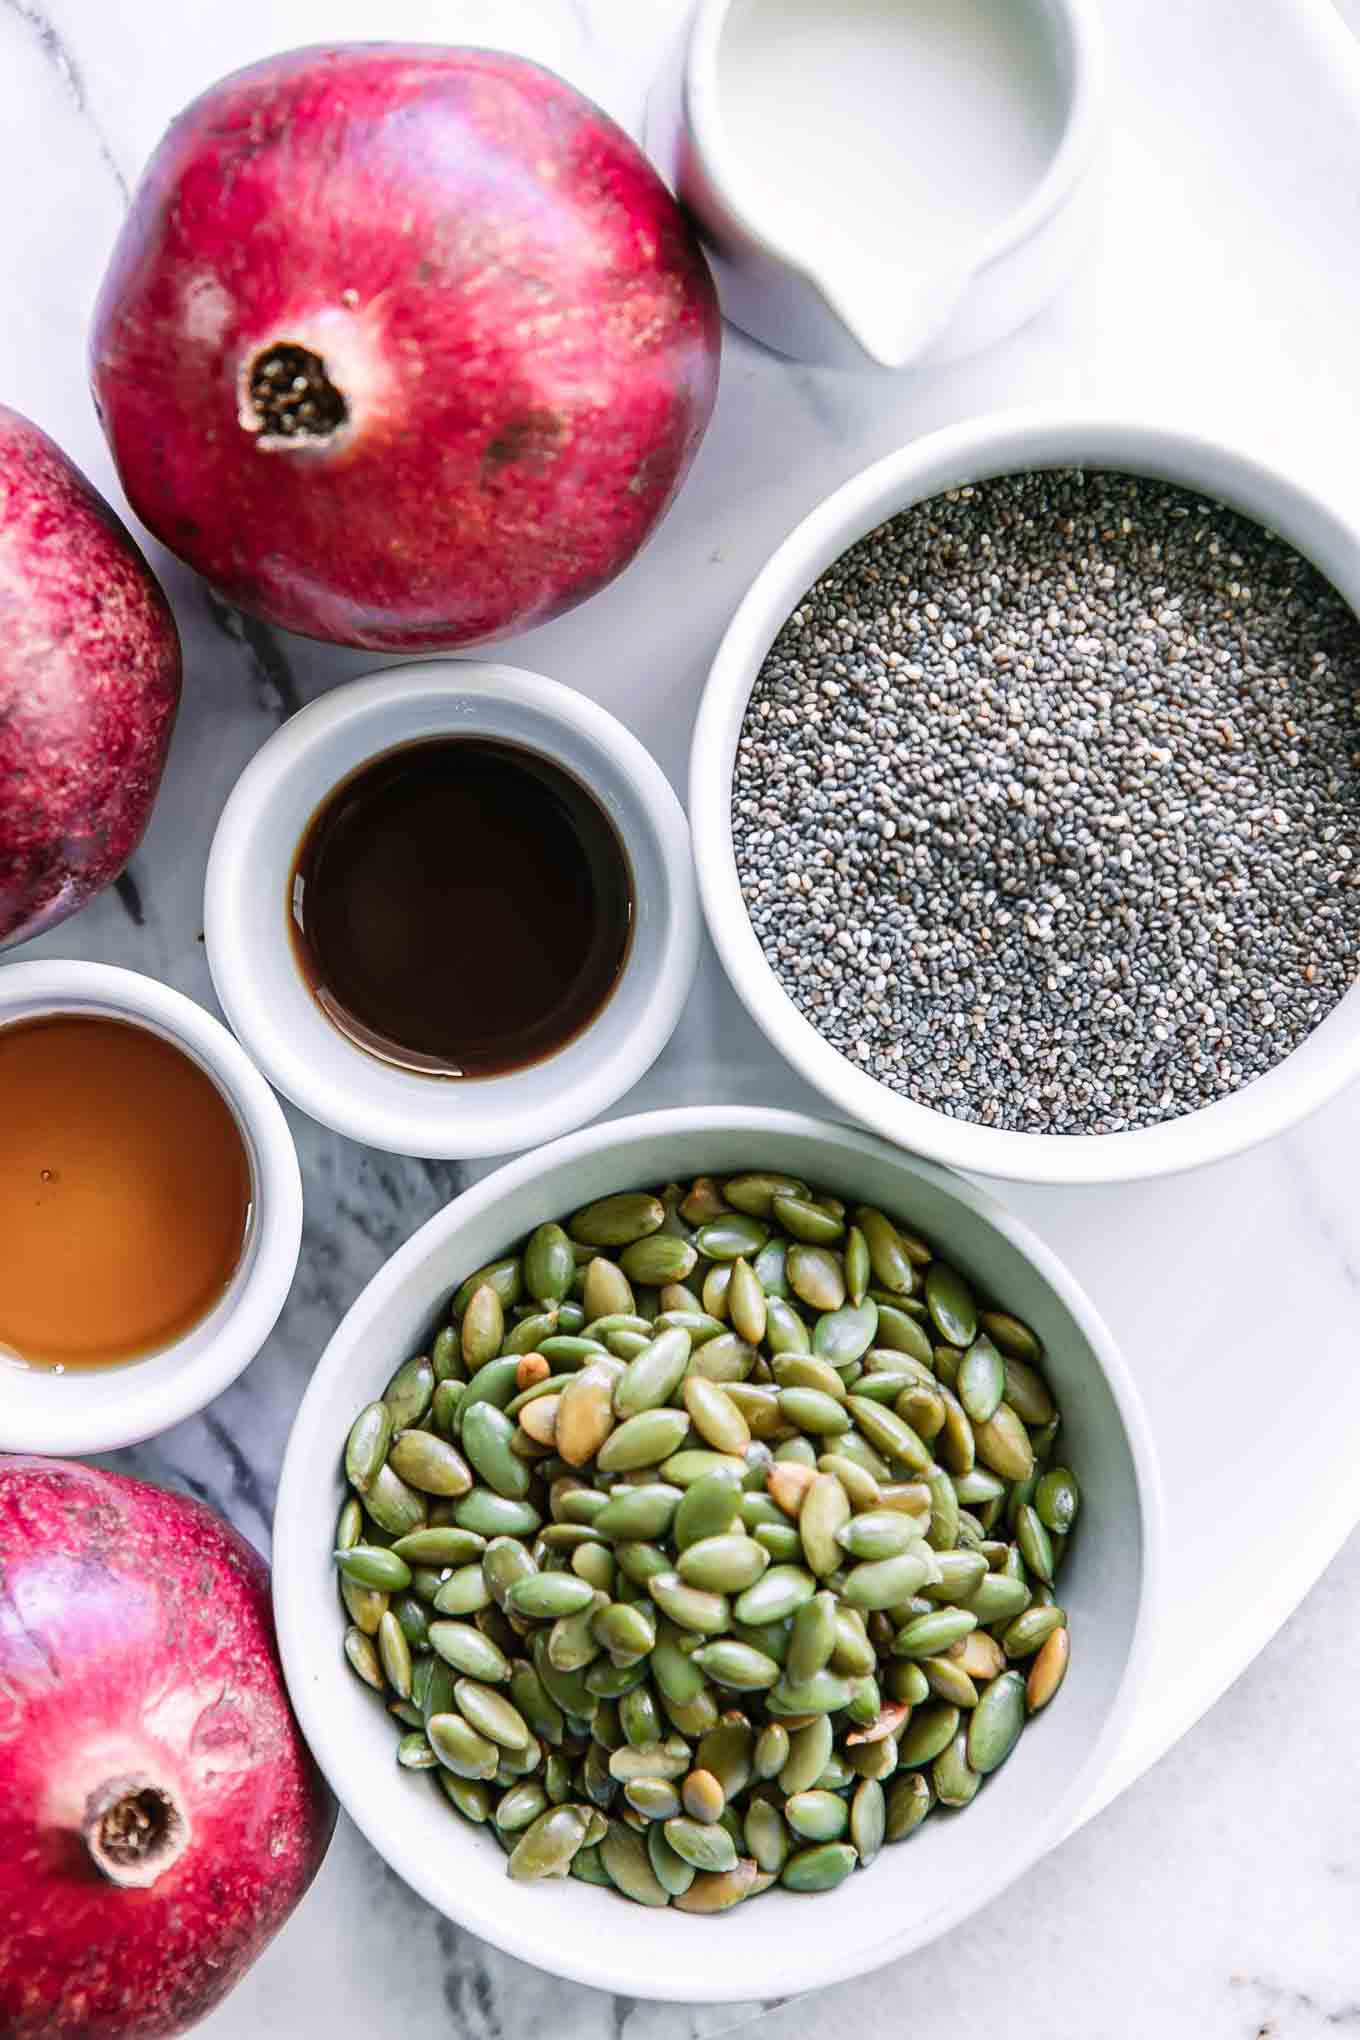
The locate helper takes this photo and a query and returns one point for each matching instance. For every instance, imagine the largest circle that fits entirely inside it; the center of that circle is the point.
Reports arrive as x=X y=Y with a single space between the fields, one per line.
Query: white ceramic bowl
x=251 y=956
x=98 y=1409
x=1005 y=444
x=780 y=1944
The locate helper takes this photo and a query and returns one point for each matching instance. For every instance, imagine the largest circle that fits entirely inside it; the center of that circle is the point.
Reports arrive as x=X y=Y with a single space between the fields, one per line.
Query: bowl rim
x=606 y=1966
x=999 y=443
x=150 y=1407
x=432 y=1124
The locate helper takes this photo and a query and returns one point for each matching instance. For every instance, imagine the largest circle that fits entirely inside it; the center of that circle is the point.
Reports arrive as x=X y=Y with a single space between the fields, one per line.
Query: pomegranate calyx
x=133 y=1830
x=291 y=396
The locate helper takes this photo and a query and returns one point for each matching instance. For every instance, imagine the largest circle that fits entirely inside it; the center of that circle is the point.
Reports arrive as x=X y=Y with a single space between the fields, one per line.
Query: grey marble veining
x=1217 y=1897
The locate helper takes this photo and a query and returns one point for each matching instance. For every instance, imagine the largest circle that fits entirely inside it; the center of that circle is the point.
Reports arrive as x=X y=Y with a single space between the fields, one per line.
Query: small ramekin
x=1009 y=443
x=251 y=954
x=100 y=1408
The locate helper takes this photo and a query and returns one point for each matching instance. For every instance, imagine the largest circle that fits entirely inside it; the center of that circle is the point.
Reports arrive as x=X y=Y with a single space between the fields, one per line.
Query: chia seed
x=1047 y=802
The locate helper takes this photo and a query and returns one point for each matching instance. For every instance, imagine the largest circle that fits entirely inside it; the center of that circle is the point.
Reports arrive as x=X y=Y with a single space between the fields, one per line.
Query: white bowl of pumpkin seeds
x=734 y=1515
x=1025 y=798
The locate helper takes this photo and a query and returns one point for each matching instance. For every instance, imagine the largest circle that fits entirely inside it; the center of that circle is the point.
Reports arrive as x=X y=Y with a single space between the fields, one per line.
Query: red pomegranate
x=89 y=685
x=160 y=1815
x=403 y=347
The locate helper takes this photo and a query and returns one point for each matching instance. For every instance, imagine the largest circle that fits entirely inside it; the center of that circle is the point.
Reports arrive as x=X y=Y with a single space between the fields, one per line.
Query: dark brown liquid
x=124 y=1191
x=461 y=907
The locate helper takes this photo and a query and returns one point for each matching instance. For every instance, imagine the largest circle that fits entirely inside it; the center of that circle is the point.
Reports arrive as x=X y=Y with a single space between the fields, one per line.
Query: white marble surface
x=1218 y=1896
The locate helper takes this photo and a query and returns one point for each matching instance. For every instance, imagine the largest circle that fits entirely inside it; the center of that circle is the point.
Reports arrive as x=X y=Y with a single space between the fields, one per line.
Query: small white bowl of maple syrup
x=150 y=1205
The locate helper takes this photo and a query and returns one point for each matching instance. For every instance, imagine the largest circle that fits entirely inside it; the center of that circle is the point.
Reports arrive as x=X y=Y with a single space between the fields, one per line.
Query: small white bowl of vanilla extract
x=150 y=1207
x=451 y=909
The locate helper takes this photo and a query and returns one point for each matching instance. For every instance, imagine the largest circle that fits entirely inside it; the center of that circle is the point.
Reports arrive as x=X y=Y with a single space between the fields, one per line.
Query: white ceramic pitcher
x=882 y=182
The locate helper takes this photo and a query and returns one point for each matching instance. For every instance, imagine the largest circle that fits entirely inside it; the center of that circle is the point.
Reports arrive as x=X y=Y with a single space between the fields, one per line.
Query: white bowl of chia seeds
x=1025 y=799
x=932 y=1873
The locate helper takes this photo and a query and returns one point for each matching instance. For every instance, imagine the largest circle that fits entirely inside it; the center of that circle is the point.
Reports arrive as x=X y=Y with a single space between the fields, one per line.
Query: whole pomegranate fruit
x=160 y=1815
x=89 y=685
x=403 y=347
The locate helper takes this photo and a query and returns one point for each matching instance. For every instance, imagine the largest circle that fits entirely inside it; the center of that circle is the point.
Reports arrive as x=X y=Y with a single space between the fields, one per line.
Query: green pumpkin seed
x=700 y=1326
x=487 y=1435
x=996 y=1722
x=909 y=1799
x=570 y=1351
x=755 y=1192
x=366 y=1447
x=638 y=1716
x=1003 y=1444
x=781 y=1540
x=802 y=1370
x=954 y=1779
x=490 y=1713
x=807 y=1222
x=816 y=1277
x=392 y=1505
x=414 y=1752
x=817 y=1816
x=886 y=1582
x=809 y=1753
x=956 y=1444
x=746 y=1305
x=981 y=1382
x=764 y=1835
x=468 y=1651
x=718 y=1891
x=703 y=1845
x=943 y=1531
x=888 y=1434
x=926 y=1635
x=520 y=1807
x=493 y=1515
x=428 y=1463
x=948 y=1680
x=640 y=1562
x=627 y=1630
x=1057 y=1499
x=771 y=1753
x=642 y=1441
x=365 y=1606
x=445 y=1356
x=737 y=1665
x=951 y=1304
x=363 y=1658
x=1030 y=1630
x=853 y=1654
x=505 y=1561
x=692 y=1608
x=606 y=1291
x=724 y=1359
x=441 y=1545
x=652 y=1379
x=824 y=1693
x=535 y=1703
x=783 y=1589
x=859 y=1484
x=960 y=1574
x=543 y=1597
x=878 y=1533
x=464 y=1592
x=723 y=1565
x=868 y=1820
x=460 y=1748
x=408 y=1394
x=931 y=1729
x=671 y=1872
x=618 y=1220
x=1015 y=1339
x=547 y=1847
x=899 y=1332
x=715 y=1416
x=785 y=1330
x=979 y=1486
x=504 y=1276
x=825 y=1510
x=736 y=1236
x=483 y=1328
x=654 y=1798
x=844 y=1335
x=858 y=1267
x=887 y=1256
x=1035 y=1545
x=525 y=1336
x=1027 y=1393
x=668 y=1759
x=820 y=1868
x=349 y=1526
x=371 y=1565
x=640 y=1512
x=658 y=1259
x=814 y=1412
x=711 y=1505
